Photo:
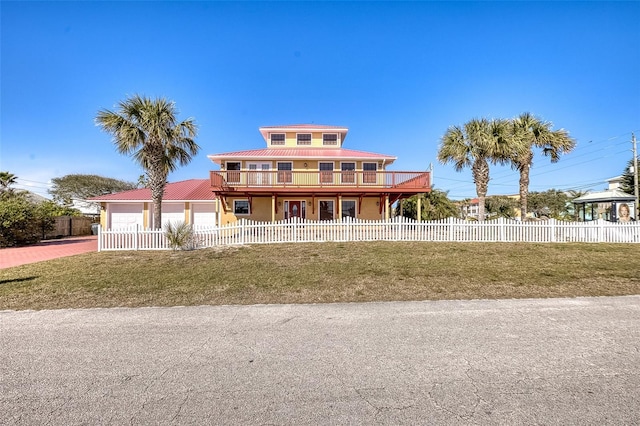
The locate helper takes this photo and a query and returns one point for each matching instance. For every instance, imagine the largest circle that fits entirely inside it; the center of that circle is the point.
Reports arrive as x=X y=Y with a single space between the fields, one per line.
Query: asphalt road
x=561 y=361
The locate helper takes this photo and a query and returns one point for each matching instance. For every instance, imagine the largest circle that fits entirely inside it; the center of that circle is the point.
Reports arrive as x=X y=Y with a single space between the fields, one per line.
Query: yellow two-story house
x=304 y=172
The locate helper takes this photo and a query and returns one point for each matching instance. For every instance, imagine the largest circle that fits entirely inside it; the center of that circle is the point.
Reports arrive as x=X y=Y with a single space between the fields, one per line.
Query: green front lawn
x=324 y=273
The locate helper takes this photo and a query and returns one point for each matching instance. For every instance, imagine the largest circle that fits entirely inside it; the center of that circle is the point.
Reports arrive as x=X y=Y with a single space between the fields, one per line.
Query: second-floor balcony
x=230 y=180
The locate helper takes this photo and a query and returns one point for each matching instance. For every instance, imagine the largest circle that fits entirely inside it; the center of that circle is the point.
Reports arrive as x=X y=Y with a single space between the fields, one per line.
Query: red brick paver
x=47 y=250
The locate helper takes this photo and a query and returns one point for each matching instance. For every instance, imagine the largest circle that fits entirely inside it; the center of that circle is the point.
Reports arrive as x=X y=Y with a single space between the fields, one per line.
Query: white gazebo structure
x=603 y=205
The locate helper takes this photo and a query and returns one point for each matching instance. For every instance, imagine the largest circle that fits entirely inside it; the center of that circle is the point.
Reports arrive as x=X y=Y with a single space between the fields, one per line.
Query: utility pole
x=635 y=176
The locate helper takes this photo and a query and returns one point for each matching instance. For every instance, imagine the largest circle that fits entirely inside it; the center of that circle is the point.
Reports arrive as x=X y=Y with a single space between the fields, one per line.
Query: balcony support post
x=386 y=207
x=274 y=208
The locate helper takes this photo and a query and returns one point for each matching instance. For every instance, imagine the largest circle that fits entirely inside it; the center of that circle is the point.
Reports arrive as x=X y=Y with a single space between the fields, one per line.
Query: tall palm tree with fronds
x=149 y=130
x=536 y=133
x=476 y=144
x=6 y=180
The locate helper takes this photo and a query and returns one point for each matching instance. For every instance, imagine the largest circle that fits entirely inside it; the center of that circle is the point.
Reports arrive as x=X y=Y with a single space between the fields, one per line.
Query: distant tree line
x=435 y=205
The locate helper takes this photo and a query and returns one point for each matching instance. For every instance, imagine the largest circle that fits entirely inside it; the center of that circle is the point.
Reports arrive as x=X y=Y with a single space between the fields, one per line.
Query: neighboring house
x=190 y=201
x=305 y=172
x=469 y=208
x=615 y=182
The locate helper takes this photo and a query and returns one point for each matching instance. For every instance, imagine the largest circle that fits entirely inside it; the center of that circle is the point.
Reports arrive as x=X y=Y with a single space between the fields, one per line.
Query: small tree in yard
x=501 y=206
x=552 y=203
x=435 y=205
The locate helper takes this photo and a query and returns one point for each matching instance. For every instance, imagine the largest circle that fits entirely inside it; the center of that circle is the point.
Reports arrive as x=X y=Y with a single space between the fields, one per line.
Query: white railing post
x=451 y=231
x=242 y=230
x=501 y=225
x=136 y=238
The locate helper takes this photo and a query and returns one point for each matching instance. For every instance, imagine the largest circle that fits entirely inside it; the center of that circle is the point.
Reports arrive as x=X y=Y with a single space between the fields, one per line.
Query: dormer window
x=304 y=138
x=329 y=139
x=277 y=138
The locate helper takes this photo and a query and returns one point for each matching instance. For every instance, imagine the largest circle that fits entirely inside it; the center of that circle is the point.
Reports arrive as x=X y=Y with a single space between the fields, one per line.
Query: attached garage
x=203 y=214
x=125 y=215
x=172 y=212
x=191 y=201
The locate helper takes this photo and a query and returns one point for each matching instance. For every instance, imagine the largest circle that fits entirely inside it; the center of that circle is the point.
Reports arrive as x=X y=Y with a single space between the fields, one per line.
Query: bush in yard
x=180 y=235
x=22 y=221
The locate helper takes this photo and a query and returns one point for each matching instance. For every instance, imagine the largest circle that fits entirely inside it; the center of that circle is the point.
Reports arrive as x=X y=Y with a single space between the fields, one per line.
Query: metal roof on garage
x=186 y=190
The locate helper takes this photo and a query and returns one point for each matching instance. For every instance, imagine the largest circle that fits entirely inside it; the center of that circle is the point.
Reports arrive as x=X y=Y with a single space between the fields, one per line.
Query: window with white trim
x=326 y=172
x=348 y=172
x=233 y=172
x=277 y=138
x=329 y=139
x=303 y=138
x=285 y=174
x=241 y=207
x=326 y=209
x=369 y=172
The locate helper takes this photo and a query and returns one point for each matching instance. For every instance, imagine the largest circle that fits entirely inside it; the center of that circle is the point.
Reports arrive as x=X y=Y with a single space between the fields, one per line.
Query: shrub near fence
x=397 y=229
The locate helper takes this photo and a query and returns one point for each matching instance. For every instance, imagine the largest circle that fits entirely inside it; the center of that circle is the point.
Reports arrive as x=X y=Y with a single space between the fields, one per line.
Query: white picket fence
x=397 y=229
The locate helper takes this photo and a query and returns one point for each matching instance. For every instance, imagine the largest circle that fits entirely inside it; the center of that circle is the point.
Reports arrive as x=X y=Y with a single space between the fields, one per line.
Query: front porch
x=269 y=195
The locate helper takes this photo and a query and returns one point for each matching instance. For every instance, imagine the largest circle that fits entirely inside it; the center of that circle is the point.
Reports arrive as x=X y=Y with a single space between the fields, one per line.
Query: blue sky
x=397 y=74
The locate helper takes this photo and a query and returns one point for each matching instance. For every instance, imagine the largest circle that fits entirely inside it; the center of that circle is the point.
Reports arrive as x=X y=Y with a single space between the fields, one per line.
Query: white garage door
x=203 y=214
x=125 y=215
x=172 y=212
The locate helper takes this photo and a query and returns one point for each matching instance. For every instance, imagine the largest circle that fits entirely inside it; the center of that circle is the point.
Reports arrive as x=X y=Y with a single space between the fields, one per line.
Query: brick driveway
x=47 y=250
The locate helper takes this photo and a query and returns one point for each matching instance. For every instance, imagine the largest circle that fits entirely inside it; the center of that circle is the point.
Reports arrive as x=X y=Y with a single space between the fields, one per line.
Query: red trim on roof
x=186 y=190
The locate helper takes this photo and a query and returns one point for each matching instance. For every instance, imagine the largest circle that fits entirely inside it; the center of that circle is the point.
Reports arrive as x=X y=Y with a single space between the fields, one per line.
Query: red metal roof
x=300 y=154
x=186 y=190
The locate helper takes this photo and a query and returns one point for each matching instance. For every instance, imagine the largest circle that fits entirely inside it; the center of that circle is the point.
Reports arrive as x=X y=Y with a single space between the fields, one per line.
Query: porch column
x=339 y=207
x=386 y=207
x=145 y=215
x=104 y=215
x=419 y=208
x=273 y=208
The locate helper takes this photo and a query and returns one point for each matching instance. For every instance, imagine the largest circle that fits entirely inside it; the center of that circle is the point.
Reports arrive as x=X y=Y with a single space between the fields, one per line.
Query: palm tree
x=6 y=180
x=475 y=145
x=148 y=130
x=533 y=132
